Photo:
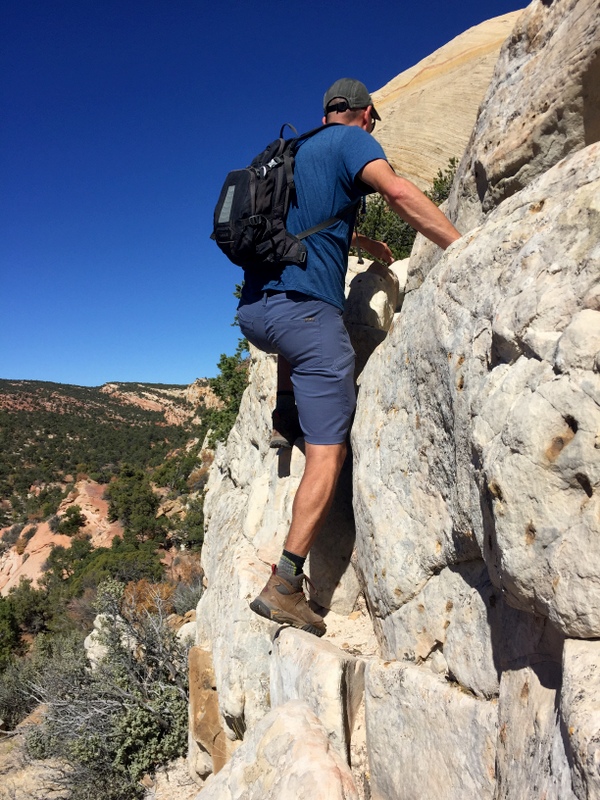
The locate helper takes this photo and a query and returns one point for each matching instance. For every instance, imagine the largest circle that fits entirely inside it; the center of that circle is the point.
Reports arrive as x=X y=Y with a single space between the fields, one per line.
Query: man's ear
x=324 y=120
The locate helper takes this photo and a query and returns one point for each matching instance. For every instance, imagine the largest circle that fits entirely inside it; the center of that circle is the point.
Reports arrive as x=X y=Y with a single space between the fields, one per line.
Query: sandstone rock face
x=468 y=521
x=248 y=510
x=209 y=747
x=459 y=625
x=581 y=713
x=178 y=404
x=89 y=496
x=39 y=539
x=29 y=564
x=486 y=443
x=200 y=393
x=420 y=129
x=482 y=421
x=532 y=762
x=330 y=681
x=286 y=755
x=427 y=738
x=543 y=103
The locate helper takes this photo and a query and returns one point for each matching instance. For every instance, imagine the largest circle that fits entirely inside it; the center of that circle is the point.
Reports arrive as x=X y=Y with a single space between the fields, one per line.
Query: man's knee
x=326 y=456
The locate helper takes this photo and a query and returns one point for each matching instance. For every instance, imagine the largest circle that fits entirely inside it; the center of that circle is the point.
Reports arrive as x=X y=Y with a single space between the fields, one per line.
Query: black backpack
x=249 y=219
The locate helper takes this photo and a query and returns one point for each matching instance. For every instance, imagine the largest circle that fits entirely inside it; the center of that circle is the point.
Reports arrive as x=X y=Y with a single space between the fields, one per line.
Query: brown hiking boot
x=284 y=602
x=286 y=428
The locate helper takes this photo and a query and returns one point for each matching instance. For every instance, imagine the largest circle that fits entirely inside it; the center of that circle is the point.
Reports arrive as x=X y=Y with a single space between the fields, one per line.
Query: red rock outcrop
x=89 y=496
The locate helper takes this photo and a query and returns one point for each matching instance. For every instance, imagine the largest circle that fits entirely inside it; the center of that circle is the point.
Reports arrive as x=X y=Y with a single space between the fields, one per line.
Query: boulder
x=532 y=763
x=187 y=632
x=459 y=625
x=330 y=681
x=209 y=747
x=426 y=737
x=286 y=755
x=453 y=457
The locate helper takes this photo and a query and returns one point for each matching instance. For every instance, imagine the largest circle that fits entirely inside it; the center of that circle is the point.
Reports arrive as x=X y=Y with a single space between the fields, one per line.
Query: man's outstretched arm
x=409 y=202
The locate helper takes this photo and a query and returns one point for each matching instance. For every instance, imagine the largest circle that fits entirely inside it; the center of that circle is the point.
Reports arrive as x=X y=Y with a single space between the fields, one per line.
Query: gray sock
x=290 y=564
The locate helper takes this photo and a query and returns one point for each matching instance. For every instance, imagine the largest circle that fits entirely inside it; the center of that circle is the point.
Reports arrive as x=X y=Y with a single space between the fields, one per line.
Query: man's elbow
x=399 y=193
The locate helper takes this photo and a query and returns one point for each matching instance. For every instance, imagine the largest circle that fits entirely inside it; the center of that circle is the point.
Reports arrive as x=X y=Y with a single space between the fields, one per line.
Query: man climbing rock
x=297 y=313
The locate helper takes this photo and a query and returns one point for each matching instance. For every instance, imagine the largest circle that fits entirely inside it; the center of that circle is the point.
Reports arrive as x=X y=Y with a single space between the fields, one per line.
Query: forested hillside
x=50 y=432
x=142 y=453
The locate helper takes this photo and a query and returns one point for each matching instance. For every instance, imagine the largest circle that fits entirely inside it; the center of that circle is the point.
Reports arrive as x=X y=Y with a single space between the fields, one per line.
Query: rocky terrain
x=54 y=436
x=178 y=404
x=459 y=568
x=27 y=561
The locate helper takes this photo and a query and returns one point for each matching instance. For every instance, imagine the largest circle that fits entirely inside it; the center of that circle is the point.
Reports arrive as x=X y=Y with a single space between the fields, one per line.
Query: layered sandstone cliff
x=461 y=561
x=428 y=111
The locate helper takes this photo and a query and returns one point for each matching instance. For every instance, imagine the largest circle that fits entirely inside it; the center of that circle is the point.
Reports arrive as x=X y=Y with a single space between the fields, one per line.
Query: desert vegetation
x=108 y=726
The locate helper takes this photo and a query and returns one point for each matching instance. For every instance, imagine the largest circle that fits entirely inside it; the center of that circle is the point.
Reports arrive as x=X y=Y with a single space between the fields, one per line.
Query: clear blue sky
x=120 y=120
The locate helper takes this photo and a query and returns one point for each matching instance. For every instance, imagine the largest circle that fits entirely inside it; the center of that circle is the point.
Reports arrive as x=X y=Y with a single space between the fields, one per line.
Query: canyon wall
x=460 y=564
x=428 y=111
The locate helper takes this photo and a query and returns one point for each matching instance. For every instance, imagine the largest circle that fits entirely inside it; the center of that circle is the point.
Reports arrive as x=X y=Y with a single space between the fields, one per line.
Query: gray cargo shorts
x=312 y=336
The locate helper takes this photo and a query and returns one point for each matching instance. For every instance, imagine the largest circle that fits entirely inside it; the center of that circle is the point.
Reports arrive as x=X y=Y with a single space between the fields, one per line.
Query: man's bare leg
x=315 y=495
x=282 y=599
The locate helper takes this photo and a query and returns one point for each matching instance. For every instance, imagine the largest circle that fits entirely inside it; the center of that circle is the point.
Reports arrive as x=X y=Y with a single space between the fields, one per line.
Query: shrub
x=9 y=636
x=442 y=183
x=52 y=660
x=31 y=606
x=229 y=386
x=189 y=532
x=11 y=536
x=132 y=501
x=20 y=545
x=127 y=716
x=15 y=701
x=150 y=597
x=72 y=521
x=30 y=533
x=187 y=596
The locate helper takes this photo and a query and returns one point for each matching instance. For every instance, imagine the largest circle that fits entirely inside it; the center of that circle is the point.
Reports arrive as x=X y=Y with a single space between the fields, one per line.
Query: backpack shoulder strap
x=326 y=223
x=303 y=136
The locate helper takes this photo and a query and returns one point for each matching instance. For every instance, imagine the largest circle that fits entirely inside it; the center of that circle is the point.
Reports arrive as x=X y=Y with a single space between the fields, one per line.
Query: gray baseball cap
x=353 y=92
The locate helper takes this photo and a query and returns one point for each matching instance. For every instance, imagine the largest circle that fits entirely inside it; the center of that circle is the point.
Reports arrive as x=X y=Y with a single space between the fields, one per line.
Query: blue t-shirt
x=325 y=174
